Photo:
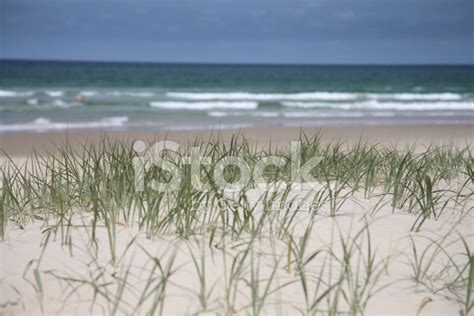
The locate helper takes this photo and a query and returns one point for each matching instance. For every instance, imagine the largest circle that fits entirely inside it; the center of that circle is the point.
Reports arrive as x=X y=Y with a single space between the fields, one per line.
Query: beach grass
x=260 y=244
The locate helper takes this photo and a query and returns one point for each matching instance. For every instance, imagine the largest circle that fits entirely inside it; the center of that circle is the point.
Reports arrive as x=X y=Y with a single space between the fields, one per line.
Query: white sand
x=65 y=272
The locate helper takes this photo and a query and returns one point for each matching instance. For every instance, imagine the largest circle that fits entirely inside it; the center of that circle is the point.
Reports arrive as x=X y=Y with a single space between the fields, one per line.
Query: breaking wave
x=374 y=104
x=44 y=124
x=174 y=105
x=308 y=96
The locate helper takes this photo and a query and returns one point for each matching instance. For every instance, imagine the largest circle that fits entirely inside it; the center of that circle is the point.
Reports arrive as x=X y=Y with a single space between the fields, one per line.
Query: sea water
x=43 y=96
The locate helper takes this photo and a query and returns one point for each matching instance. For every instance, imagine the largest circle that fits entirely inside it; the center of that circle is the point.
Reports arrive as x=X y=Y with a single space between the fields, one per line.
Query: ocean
x=45 y=96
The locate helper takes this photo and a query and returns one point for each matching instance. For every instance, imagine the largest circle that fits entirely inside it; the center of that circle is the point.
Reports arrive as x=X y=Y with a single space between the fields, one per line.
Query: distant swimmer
x=79 y=97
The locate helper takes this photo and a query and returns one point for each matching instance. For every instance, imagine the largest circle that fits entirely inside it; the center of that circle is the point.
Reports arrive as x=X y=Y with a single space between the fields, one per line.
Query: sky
x=240 y=31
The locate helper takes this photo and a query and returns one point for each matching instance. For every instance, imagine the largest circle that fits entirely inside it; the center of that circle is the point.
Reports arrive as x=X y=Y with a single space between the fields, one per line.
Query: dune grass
x=98 y=183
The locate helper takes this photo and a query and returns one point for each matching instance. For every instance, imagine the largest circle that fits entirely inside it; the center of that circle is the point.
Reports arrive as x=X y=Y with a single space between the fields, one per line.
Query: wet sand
x=24 y=144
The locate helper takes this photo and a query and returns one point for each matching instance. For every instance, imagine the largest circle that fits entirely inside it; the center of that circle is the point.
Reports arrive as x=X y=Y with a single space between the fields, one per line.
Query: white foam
x=245 y=96
x=305 y=114
x=61 y=104
x=115 y=120
x=44 y=124
x=174 y=105
x=9 y=93
x=243 y=113
x=219 y=114
x=132 y=94
x=416 y=96
x=266 y=114
x=136 y=94
x=206 y=127
x=88 y=93
x=41 y=121
x=374 y=104
x=54 y=93
x=308 y=96
x=32 y=101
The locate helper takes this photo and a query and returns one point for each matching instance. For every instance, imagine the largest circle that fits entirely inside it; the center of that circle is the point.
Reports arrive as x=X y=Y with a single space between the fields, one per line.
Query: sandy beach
x=249 y=158
x=364 y=248
x=23 y=144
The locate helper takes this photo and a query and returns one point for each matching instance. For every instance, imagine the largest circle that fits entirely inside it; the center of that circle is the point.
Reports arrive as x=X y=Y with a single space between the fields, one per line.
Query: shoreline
x=24 y=144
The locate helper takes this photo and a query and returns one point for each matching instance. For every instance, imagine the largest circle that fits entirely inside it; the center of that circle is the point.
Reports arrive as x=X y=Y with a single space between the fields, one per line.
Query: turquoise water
x=61 y=95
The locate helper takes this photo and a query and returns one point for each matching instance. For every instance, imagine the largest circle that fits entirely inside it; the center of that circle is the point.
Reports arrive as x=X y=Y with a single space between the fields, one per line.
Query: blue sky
x=257 y=31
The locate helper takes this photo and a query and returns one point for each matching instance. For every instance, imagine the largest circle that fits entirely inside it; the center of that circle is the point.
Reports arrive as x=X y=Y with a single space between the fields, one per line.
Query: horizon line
x=225 y=63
